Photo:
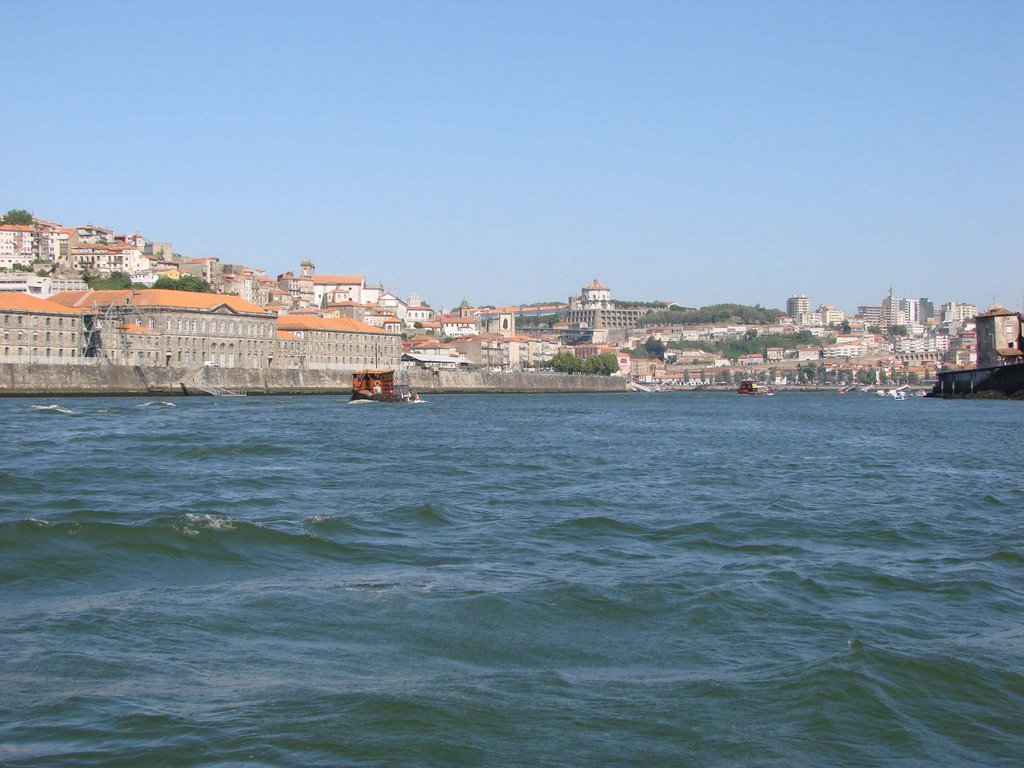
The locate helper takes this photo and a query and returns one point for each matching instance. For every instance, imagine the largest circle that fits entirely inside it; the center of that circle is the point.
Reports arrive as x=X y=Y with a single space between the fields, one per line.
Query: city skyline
x=731 y=153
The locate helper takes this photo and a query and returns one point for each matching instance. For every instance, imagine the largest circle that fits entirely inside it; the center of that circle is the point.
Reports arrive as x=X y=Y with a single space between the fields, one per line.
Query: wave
x=54 y=409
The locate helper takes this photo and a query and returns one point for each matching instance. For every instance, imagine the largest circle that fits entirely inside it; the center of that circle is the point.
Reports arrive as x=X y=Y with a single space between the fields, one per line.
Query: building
x=458 y=326
x=39 y=331
x=594 y=309
x=173 y=328
x=871 y=315
x=16 y=245
x=956 y=312
x=336 y=343
x=39 y=286
x=1000 y=337
x=799 y=308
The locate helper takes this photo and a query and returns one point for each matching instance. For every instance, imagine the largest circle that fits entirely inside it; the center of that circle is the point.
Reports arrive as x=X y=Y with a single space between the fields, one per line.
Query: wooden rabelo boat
x=378 y=385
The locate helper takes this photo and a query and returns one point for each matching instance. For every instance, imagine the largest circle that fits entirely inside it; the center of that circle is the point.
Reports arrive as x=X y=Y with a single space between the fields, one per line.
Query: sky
x=511 y=152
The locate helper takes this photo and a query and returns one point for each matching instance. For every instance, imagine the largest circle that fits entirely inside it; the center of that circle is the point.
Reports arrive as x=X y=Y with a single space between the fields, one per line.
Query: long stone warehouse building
x=183 y=329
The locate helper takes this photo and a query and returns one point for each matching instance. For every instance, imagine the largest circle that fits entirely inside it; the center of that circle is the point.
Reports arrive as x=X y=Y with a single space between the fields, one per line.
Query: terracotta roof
x=22 y=301
x=285 y=335
x=596 y=286
x=16 y=228
x=996 y=310
x=156 y=297
x=310 y=323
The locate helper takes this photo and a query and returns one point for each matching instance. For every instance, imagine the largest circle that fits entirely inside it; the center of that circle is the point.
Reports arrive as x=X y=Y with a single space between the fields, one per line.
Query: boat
x=378 y=385
x=751 y=387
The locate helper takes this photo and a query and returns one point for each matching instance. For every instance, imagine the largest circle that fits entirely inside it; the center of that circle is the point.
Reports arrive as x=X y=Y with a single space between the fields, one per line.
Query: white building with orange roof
x=458 y=326
x=103 y=258
x=421 y=313
x=338 y=288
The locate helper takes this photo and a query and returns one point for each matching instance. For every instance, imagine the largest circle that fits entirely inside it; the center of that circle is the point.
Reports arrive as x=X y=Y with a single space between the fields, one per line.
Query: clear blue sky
x=512 y=151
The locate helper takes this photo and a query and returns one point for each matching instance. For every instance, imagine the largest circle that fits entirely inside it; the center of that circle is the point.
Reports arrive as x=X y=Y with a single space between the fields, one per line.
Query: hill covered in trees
x=714 y=314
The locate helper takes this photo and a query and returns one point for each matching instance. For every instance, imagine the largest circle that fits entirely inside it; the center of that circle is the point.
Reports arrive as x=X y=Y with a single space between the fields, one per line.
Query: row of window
x=35 y=336
x=225 y=326
x=19 y=320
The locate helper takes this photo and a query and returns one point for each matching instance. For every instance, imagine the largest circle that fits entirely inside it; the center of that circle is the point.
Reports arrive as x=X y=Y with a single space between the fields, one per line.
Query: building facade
x=173 y=328
x=39 y=331
x=336 y=343
x=1000 y=337
x=594 y=309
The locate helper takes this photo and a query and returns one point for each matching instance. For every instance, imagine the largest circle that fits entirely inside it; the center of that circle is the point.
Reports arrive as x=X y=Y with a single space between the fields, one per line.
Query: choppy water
x=512 y=580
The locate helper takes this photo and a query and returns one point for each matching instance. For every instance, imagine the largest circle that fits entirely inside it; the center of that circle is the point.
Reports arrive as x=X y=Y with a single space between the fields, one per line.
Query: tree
x=18 y=216
x=655 y=348
x=898 y=330
x=604 y=364
x=845 y=326
x=115 y=281
x=189 y=283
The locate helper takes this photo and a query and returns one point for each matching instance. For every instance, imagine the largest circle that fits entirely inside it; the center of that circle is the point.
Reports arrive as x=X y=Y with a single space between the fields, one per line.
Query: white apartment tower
x=799 y=308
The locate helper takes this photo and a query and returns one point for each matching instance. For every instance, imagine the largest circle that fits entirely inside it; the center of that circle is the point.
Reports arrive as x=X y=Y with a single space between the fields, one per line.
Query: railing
x=210 y=389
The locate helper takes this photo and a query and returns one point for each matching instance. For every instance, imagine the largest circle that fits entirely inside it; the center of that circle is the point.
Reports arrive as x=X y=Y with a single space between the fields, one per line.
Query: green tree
x=115 y=281
x=898 y=330
x=655 y=348
x=18 y=216
x=845 y=326
x=189 y=283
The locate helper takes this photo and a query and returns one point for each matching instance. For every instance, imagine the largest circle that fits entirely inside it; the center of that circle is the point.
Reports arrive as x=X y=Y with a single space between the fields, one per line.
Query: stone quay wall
x=423 y=381
x=1007 y=380
x=18 y=379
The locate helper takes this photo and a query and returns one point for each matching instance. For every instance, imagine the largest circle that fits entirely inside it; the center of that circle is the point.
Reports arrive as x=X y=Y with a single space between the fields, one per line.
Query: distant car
x=211 y=364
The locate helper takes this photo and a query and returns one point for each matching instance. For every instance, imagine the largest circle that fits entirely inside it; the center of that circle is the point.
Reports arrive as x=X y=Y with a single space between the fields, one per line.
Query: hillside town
x=75 y=295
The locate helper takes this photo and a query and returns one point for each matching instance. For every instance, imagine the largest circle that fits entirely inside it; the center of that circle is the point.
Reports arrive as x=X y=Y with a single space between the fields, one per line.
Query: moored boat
x=378 y=385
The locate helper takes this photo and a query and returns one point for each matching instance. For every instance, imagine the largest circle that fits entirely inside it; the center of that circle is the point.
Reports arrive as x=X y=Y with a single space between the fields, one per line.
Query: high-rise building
x=799 y=308
x=911 y=309
x=927 y=309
